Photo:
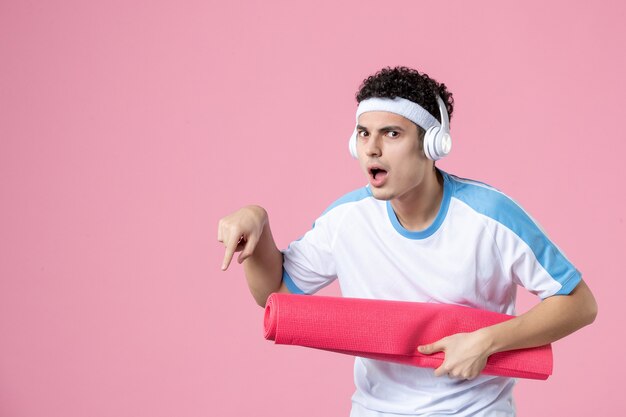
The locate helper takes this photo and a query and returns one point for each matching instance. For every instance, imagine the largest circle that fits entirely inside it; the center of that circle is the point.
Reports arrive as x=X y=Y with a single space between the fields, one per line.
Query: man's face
x=390 y=155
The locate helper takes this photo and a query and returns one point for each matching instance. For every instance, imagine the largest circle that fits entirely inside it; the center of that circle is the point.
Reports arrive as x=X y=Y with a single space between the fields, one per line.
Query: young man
x=416 y=233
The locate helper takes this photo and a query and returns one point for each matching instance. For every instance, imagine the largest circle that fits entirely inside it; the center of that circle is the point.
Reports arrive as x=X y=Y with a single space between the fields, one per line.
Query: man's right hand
x=240 y=232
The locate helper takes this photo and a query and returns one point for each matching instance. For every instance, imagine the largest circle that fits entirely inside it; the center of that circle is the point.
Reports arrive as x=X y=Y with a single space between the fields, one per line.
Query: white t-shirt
x=479 y=248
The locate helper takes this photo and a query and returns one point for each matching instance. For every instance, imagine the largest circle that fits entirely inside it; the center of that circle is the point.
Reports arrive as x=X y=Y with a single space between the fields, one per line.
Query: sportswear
x=479 y=248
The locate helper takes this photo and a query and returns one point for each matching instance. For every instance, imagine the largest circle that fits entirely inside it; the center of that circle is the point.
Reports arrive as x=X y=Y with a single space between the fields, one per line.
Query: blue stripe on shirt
x=291 y=286
x=490 y=202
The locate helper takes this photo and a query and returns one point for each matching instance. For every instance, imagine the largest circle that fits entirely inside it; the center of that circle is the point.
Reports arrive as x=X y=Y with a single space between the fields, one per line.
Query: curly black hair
x=409 y=84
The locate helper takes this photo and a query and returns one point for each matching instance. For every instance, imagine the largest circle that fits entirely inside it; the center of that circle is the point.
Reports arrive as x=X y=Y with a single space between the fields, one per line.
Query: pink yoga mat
x=391 y=331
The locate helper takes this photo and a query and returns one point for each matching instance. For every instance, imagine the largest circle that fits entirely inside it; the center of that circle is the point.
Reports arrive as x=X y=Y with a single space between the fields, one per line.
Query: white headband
x=412 y=111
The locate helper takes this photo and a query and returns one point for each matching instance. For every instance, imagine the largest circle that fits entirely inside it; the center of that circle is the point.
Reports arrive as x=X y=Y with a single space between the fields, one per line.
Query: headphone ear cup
x=444 y=144
x=352 y=145
x=430 y=138
x=441 y=141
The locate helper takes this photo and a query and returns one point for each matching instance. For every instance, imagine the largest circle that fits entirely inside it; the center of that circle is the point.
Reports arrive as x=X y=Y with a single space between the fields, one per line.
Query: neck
x=417 y=209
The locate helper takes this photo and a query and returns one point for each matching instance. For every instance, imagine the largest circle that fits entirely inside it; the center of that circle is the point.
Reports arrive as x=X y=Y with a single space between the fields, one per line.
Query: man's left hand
x=465 y=354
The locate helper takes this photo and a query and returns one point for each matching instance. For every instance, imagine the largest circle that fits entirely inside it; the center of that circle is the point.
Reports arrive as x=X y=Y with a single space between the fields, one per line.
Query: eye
x=393 y=134
x=362 y=133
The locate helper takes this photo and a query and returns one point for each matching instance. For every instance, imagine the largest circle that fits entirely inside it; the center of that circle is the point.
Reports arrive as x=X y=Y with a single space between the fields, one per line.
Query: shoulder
x=348 y=200
x=484 y=199
x=336 y=212
x=495 y=205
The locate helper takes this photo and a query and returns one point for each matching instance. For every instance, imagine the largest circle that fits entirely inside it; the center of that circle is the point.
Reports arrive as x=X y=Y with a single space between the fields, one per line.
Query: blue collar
x=441 y=215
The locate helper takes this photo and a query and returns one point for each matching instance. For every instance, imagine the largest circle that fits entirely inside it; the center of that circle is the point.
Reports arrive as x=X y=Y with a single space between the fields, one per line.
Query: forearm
x=264 y=268
x=550 y=320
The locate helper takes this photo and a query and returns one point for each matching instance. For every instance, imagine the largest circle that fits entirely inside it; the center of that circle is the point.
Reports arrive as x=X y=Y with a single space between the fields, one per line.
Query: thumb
x=432 y=348
x=248 y=250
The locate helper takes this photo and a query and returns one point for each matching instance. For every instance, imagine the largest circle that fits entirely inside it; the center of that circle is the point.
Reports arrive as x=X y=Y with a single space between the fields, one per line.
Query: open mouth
x=377 y=172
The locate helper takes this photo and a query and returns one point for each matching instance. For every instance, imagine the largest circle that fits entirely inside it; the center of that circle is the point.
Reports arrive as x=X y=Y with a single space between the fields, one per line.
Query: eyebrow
x=382 y=129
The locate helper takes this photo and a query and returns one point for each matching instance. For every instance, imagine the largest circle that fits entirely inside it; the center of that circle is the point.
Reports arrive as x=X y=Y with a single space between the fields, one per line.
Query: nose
x=372 y=146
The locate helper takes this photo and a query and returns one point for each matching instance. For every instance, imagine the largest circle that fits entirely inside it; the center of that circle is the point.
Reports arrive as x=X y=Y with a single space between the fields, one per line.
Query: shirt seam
x=341 y=220
x=485 y=221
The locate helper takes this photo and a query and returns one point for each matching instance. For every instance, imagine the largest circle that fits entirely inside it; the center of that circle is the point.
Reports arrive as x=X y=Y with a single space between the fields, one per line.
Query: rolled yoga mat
x=391 y=331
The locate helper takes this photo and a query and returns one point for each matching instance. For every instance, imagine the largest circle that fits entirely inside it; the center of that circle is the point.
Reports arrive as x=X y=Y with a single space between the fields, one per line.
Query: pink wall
x=127 y=129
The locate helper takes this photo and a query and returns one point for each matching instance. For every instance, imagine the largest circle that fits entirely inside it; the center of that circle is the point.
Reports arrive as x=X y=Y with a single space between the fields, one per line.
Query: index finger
x=230 y=251
x=438 y=346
